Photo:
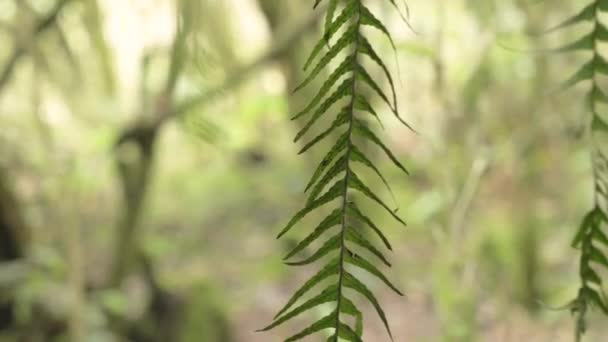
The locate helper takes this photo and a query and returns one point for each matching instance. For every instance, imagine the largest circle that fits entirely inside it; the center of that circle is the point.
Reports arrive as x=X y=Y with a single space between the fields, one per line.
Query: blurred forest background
x=147 y=163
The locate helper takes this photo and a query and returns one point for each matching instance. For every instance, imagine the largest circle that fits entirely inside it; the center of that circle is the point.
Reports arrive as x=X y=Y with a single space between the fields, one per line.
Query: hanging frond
x=591 y=238
x=335 y=178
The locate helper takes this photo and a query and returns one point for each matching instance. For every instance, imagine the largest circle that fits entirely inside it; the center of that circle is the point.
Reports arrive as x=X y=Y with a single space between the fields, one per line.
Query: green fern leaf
x=347 y=333
x=353 y=235
x=335 y=177
x=587 y=14
x=598 y=256
x=328 y=295
x=329 y=17
x=330 y=221
x=362 y=104
x=598 y=95
x=328 y=246
x=369 y=267
x=357 y=214
x=600 y=65
x=596 y=299
x=349 y=308
x=599 y=124
x=365 y=132
x=342 y=69
x=358 y=156
x=357 y=184
x=341 y=119
x=331 y=194
x=340 y=145
x=601 y=32
x=332 y=173
x=330 y=269
x=366 y=48
x=347 y=38
x=585 y=73
x=591 y=276
x=352 y=282
x=330 y=31
x=585 y=43
x=322 y=324
x=368 y=18
x=367 y=79
x=343 y=90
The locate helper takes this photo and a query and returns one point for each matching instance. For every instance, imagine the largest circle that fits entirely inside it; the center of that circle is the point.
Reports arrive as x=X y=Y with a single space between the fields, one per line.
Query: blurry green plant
x=591 y=238
x=345 y=244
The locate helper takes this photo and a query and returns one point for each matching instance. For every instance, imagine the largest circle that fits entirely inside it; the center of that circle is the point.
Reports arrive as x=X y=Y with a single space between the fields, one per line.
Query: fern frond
x=591 y=238
x=335 y=177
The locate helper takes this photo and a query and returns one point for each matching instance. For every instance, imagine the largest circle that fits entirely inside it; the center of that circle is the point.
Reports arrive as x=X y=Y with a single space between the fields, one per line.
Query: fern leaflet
x=343 y=37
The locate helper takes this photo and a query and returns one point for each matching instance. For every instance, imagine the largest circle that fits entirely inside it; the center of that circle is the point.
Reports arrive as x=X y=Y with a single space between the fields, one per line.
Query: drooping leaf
x=354 y=211
x=358 y=156
x=585 y=73
x=366 y=265
x=345 y=40
x=347 y=333
x=583 y=229
x=346 y=13
x=599 y=95
x=328 y=246
x=599 y=257
x=341 y=70
x=329 y=18
x=352 y=282
x=362 y=104
x=364 y=76
x=331 y=194
x=601 y=32
x=327 y=183
x=589 y=275
x=355 y=183
x=329 y=157
x=600 y=65
x=330 y=294
x=353 y=235
x=330 y=269
x=341 y=119
x=361 y=128
x=599 y=236
x=343 y=90
x=368 y=18
x=349 y=308
x=587 y=14
x=596 y=299
x=333 y=172
x=366 y=48
x=328 y=222
x=584 y=43
x=599 y=124
x=322 y=324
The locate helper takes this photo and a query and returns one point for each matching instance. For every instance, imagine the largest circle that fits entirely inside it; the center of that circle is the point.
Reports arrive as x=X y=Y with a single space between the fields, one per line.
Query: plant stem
x=351 y=108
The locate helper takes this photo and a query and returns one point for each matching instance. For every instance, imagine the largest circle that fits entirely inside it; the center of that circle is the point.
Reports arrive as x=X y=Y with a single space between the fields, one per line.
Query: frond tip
x=348 y=247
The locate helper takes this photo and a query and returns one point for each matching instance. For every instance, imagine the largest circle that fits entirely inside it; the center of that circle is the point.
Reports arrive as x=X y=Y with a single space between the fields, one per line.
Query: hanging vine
x=344 y=35
x=592 y=236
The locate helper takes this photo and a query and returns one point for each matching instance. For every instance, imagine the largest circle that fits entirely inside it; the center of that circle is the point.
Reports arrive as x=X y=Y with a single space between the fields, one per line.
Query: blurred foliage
x=501 y=176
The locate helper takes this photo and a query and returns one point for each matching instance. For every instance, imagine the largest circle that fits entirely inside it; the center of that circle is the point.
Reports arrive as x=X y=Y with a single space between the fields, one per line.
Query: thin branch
x=169 y=112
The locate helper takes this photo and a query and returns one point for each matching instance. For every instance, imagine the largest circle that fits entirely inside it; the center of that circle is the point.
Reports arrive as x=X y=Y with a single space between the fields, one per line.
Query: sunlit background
x=145 y=171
